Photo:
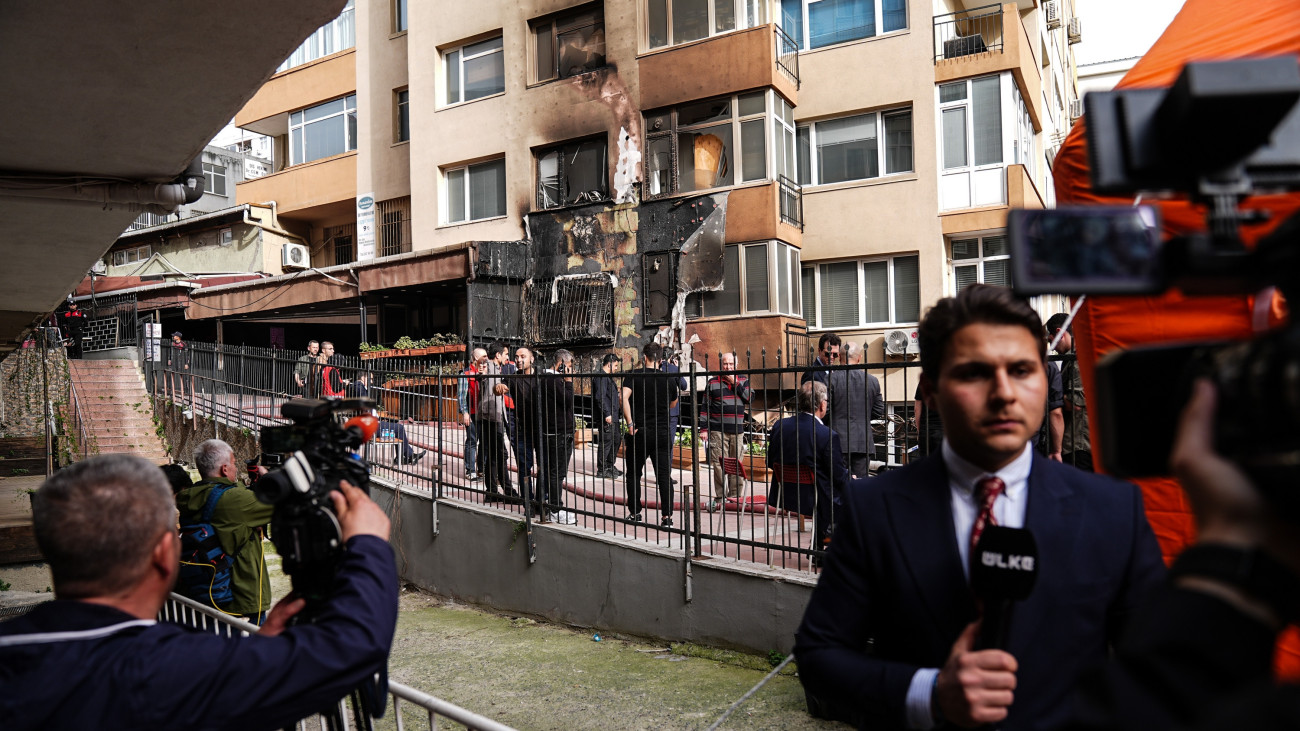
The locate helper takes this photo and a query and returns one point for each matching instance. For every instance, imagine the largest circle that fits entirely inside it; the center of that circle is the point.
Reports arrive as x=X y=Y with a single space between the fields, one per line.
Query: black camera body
x=1152 y=139
x=317 y=453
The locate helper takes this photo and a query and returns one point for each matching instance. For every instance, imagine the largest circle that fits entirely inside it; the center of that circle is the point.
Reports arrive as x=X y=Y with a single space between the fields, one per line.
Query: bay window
x=863 y=293
x=851 y=148
x=820 y=23
x=323 y=130
x=757 y=278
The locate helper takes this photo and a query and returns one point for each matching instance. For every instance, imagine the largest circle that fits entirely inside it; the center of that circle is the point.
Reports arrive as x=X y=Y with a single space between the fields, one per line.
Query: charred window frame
x=474 y=71
x=571 y=310
x=573 y=173
x=714 y=143
x=758 y=278
x=671 y=22
x=569 y=44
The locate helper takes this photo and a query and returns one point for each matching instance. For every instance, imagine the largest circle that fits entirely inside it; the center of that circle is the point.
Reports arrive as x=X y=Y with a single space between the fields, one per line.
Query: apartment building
x=744 y=174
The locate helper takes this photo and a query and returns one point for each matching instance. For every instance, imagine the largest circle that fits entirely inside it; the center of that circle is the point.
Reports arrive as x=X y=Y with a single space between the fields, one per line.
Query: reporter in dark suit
x=803 y=440
x=886 y=641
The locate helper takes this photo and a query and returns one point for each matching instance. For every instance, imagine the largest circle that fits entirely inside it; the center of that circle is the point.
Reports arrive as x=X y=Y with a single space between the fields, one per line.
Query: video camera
x=317 y=453
x=1225 y=131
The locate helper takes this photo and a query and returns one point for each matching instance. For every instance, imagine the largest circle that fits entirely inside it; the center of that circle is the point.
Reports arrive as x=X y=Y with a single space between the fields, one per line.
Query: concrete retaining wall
x=589 y=580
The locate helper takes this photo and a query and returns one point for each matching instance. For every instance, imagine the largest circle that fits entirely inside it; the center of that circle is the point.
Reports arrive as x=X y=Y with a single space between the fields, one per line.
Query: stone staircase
x=116 y=409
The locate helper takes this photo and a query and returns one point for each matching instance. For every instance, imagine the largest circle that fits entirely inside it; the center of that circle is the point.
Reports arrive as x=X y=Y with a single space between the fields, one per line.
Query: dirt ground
x=537 y=675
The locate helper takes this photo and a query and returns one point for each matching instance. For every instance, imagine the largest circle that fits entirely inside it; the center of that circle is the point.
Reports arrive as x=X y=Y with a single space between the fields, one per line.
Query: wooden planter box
x=583 y=436
x=756 y=467
x=372 y=355
x=682 y=456
x=422 y=399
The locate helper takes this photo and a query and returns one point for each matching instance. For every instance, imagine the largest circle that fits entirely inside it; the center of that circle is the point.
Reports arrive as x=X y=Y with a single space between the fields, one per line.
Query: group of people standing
x=317 y=374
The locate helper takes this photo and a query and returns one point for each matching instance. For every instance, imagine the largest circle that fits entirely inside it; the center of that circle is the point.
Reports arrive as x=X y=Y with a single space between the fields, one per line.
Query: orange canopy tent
x=1202 y=30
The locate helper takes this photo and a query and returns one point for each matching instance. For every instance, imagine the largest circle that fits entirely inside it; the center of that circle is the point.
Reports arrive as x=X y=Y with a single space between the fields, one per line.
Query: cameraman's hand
x=358 y=514
x=280 y=614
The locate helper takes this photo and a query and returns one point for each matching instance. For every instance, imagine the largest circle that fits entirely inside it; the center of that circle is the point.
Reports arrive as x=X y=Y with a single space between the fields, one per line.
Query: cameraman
x=1199 y=653
x=97 y=658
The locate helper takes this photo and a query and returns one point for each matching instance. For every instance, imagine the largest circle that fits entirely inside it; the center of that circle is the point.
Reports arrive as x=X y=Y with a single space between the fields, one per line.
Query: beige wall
x=383 y=163
x=302 y=86
x=331 y=180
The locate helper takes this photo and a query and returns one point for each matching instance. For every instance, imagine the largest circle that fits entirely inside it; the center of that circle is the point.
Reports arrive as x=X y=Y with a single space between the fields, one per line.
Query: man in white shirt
x=887 y=640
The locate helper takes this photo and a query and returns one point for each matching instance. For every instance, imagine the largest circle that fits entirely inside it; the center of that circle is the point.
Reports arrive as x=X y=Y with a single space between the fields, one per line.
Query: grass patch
x=733 y=657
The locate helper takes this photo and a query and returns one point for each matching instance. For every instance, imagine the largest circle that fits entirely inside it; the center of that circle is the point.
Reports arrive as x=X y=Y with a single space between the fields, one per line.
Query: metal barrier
x=719 y=487
x=787 y=54
x=184 y=611
x=967 y=32
x=74 y=423
x=791 y=201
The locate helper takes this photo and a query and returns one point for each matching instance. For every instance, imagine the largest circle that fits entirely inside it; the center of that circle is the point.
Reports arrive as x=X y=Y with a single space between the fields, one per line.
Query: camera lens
x=272 y=487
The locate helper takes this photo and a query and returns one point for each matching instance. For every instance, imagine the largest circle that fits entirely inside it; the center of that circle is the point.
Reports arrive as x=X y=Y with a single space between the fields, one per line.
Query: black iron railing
x=791 y=201
x=787 y=54
x=968 y=32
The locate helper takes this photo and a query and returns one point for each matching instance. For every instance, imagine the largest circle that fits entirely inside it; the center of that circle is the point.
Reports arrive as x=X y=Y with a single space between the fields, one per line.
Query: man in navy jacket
x=887 y=640
x=803 y=441
x=96 y=658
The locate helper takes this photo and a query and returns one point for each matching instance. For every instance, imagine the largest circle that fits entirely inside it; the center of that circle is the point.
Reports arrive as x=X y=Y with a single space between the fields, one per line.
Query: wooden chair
x=796 y=475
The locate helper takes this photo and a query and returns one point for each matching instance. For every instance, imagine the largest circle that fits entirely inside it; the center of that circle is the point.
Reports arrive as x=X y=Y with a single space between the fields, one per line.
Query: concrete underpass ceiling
x=131 y=91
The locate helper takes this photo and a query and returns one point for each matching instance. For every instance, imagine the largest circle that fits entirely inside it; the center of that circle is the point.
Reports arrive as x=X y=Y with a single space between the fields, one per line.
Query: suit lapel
x=1053 y=515
x=921 y=518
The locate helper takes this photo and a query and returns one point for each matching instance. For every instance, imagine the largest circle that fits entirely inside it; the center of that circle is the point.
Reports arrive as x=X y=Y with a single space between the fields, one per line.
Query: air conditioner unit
x=1052 y=11
x=1076 y=109
x=902 y=342
x=99 y=267
x=1074 y=31
x=295 y=256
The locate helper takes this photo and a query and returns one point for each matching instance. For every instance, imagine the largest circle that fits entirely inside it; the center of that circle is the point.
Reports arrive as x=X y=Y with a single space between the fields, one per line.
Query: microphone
x=1003 y=571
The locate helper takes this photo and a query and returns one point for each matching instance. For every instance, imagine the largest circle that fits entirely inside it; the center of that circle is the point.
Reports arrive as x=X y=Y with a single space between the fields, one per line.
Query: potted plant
x=404 y=345
x=683 y=455
x=581 y=433
x=755 y=461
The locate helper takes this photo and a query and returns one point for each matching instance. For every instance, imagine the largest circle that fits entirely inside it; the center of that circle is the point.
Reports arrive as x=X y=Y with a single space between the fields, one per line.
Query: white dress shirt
x=1008 y=510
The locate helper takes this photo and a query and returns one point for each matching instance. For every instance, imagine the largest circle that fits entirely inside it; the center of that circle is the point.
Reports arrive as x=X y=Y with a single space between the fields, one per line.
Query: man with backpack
x=237 y=518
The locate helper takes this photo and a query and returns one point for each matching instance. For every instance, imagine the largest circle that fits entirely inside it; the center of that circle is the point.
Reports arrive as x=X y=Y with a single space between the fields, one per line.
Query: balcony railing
x=968 y=32
x=791 y=201
x=787 y=55
x=337 y=35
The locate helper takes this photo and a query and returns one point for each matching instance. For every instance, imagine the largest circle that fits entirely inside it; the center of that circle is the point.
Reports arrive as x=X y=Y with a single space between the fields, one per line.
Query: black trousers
x=607 y=444
x=492 y=451
x=658 y=448
x=556 y=453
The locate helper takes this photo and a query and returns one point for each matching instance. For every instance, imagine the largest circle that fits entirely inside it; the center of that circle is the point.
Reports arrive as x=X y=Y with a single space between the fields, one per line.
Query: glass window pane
x=548 y=180
x=487 y=189
x=324 y=138
x=485 y=76
x=898 y=143
x=690 y=20
x=792 y=20
x=582 y=49
x=295 y=118
x=839 y=294
x=713 y=110
x=997 y=272
x=782 y=279
x=964 y=276
x=966 y=249
x=585 y=168
x=875 y=293
x=954 y=138
x=724 y=15
x=752 y=103
x=453 y=77
x=542 y=41
x=295 y=146
x=704 y=158
x=323 y=110
x=837 y=21
x=805 y=156
x=756 y=282
x=995 y=245
x=403 y=116
x=491 y=44
x=846 y=149
x=808 y=288
x=895 y=15
x=352 y=130
x=752 y=153
x=659 y=173
x=907 y=289
x=987 y=101
x=953 y=92
x=658 y=23
x=456 y=195
x=401 y=16
x=727 y=300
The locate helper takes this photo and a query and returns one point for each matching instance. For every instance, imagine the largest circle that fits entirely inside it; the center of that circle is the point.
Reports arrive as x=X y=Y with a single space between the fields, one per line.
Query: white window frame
x=133 y=255
x=1007 y=132
x=793 y=304
x=803 y=40
x=976 y=261
x=226 y=236
x=349 y=135
x=212 y=171
x=882 y=143
x=748 y=14
x=773 y=106
x=460 y=61
x=445 y=198
x=893 y=320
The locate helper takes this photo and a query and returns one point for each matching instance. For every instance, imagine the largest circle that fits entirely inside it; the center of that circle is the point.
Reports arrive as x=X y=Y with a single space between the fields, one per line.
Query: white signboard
x=366 y=227
x=152 y=338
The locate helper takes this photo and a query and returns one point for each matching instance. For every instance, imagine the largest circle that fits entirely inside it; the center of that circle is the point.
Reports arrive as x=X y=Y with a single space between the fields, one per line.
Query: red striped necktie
x=986 y=492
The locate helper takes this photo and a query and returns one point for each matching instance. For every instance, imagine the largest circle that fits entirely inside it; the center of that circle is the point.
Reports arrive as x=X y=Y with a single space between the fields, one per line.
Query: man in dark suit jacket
x=887 y=639
x=855 y=403
x=803 y=440
x=828 y=354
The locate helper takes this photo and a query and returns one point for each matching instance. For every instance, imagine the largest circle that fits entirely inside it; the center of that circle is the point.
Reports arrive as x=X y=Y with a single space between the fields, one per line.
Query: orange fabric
x=1202 y=30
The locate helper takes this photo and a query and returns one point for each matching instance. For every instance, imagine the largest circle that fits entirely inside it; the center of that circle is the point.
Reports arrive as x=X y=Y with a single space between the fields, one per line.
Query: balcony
x=755 y=58
x=1019 y=192
x=770 y=211
x=306 y=191
x=300 y=87
x=988 y=40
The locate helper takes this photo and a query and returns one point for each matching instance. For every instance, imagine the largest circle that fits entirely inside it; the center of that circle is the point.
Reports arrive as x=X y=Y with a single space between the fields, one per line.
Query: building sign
x=152 y=338
x=366 y=227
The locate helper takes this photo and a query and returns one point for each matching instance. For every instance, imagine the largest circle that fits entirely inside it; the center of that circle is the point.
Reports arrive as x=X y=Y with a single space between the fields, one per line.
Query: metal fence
x=967 y=32
x=111 y=322
x=184 y=611
x=787 y=54
x=747 y=491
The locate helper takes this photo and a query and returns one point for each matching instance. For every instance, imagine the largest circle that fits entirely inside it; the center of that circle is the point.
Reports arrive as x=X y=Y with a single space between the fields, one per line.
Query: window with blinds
x=839 y=294
x=757 y=278
x=867 y=293
x=983 y=259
